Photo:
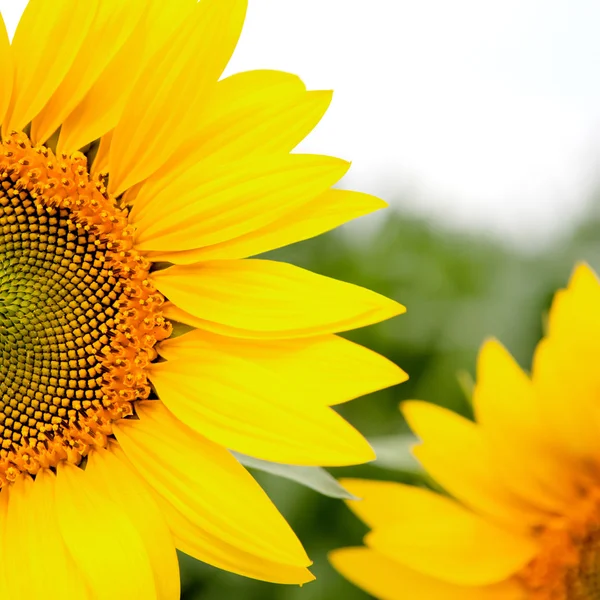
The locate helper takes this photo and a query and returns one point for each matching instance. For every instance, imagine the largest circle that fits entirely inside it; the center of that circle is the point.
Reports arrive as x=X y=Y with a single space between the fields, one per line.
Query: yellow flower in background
x=524 y=520
x=134 y=184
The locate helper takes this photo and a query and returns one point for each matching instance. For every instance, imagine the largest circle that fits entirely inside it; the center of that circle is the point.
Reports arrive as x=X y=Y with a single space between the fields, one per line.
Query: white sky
x=485 y=112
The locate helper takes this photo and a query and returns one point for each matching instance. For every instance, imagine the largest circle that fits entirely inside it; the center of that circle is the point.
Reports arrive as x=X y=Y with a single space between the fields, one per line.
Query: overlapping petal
x=268 y=300
x=40 y=63
x=327 y=368
x=207 y=205
x=6 y=70
x=172 y=90
x=220 y=389
x=465 y=469
x=101 y=537
x=248 y=114
x=319 y=215
x=389 y=580
x=32 y=531
x=99 y=111
x=113 y=24
x=507 y=406
x=110 y=470
x=205 y=483
x=564 y=367
x=450 y=543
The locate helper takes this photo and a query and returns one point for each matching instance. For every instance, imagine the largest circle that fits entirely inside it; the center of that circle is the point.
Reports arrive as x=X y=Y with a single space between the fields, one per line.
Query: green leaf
x=315 y=478
x=393 y=452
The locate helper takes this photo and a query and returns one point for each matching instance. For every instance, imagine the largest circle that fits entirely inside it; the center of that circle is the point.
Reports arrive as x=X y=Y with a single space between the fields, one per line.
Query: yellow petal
x=507 y=407
x=240 y=106
x=192 y=539
x=112 y=26
x=260 y=298
x=572 y=313
x=565 y=374
x=172 y=90
x=436 y=536
x=102 y=538
x=164 y=19
x=37 y=560
x=100 y=109
x=6 y=70
x=455 y=453
x=207 y=205
x=100 y=163
x=251 y=89
x=4 y=574
x=237 y=401
x=383 y=502
x=111 y=471
x=46 y=43
x=207 y=485
x=323 y=213
x=328 y=368
x=387 y=579
x=274 y=126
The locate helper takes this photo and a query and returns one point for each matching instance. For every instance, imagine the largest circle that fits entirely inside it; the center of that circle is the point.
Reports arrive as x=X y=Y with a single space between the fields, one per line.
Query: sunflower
x=134 y=184
x=523 y=522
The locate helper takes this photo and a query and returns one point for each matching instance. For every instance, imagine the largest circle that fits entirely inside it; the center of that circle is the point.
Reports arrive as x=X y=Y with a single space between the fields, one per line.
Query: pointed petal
x=164 y=19
x=194 y=540
x=564 y=367
x=260 y=298
x=436 y=536
x=113 y=24
x=239 y=106
x=321 y=214
x=110 y=470
x=387 y=579
x=328 y=368
x=264 y=126
x=455 y=453
x=208 y=205
x=40 y=62
x=100 y=109
x=507 y=407
x=101 y=538
x=38 y=561
x=207 y=485
x=384 y=502
x=4 y=573
x=171 y=91
x=6 y=70
x=100 y=164
x=237 y=402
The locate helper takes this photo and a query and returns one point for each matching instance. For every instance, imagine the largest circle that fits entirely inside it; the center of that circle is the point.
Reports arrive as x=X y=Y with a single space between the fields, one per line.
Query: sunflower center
x=78 y=316
x=568 y=566
x=583 y=580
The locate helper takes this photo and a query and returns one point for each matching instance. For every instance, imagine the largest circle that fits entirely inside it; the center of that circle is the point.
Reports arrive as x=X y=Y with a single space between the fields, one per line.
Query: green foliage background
x=459 y=289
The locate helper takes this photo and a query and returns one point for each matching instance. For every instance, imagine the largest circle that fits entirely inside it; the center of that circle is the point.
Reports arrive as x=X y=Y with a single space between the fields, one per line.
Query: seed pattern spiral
x=79 y=318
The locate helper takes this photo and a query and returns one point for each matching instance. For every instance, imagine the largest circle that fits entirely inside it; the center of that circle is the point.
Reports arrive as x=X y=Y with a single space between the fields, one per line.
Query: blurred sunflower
x=524 y=520
x=133 y=185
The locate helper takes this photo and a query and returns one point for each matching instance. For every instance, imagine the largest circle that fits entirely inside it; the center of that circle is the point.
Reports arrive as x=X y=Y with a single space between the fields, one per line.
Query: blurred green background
x=459 y=288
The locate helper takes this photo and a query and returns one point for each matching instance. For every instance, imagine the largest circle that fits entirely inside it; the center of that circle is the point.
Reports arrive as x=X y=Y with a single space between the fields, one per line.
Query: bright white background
x=481 y=113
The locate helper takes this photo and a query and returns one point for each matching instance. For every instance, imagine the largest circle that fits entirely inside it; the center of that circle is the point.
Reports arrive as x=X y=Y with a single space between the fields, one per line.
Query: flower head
x=523 y=522
x=134 y=184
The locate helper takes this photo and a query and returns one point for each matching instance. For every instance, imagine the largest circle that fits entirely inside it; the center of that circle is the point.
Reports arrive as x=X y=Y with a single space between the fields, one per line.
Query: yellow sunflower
x=523 y=522
x=133 y=185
